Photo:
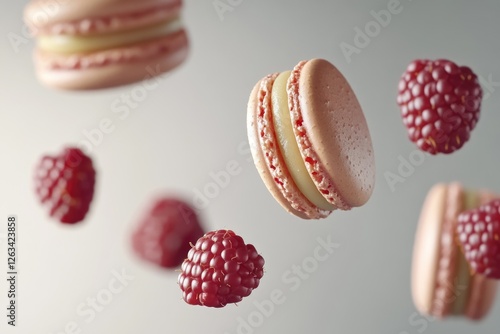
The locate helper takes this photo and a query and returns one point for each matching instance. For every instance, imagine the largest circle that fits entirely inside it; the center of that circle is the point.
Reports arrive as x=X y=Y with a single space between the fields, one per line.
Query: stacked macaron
x=104 y=43
x=442 y=282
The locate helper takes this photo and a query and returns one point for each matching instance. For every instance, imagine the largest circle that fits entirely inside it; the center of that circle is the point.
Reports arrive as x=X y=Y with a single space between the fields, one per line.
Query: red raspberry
x=440 y=104
x=220 y=269
x=165 y=234
x=65 y=183
x=479 y=233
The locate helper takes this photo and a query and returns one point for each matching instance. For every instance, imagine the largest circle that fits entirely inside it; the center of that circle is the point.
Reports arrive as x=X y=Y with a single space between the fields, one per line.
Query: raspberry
x=164 y=235
x=440 y=104
x=220 y=269
x=65 y=183
x=479 y=234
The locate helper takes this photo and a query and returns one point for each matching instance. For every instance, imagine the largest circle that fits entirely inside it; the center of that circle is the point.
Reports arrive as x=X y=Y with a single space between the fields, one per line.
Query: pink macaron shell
x=43 y=13
x=425 y=263
x=267 y=157
x=483 y=290
x=332 y=133
x=115 y=67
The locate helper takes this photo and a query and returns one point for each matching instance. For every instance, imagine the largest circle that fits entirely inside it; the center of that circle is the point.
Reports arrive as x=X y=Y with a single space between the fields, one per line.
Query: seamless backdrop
x=192 y=125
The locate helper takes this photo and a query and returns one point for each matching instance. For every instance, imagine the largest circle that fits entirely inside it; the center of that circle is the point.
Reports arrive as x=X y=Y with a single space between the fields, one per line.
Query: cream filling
x=79 y=43
x=463 y=271
x=288 y=144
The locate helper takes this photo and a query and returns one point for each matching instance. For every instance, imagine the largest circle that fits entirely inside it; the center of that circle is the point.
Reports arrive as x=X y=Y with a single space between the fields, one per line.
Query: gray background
x=193 y=124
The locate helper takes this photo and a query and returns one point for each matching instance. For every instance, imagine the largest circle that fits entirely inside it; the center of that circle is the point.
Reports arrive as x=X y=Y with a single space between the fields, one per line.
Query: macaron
x=93 y=44
x=442 y=283
x=310 y=141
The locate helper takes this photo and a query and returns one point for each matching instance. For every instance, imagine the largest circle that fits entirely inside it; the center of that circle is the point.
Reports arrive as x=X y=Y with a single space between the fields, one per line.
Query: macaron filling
x=463 y=281
x=453 y=281
x=461 y=285
x=273 y=160
x=173 y=45
x=288 y=144
x=69 y=44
